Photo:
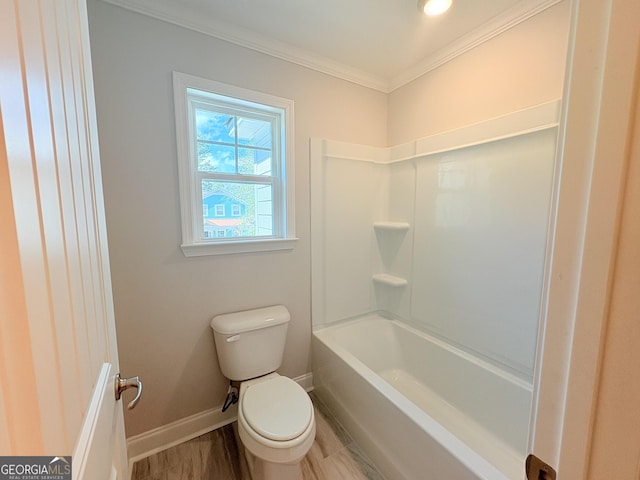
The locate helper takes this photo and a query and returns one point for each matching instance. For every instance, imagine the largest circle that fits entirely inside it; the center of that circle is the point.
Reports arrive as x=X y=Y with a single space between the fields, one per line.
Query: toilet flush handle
x=232 y=338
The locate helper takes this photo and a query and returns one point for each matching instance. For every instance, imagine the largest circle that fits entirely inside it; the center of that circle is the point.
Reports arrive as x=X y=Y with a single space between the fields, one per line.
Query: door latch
x=538 y=470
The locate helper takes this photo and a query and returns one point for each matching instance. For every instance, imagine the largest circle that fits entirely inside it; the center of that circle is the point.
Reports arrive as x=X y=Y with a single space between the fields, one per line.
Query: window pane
x=254 y=133
x=237 y=209
x=216 y=158
x=254 y=162
x=215 y=127
x=233 y=144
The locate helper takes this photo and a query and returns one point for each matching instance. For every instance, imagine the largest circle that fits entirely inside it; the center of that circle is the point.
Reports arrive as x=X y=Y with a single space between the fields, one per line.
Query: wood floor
x=218 y=455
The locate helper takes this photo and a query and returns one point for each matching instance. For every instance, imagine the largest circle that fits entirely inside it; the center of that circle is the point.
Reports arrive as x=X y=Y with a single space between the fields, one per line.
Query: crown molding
x=254 y=41
x=284 y=51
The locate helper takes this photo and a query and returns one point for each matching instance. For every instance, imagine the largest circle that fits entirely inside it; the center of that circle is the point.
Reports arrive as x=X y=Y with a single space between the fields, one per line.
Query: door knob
x=123 y=383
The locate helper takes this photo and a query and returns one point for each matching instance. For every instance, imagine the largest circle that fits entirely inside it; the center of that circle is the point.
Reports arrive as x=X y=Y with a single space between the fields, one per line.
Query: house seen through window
x=234 y=150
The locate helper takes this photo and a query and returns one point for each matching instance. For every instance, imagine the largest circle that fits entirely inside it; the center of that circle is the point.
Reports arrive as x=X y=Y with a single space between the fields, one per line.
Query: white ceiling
x=382 y=44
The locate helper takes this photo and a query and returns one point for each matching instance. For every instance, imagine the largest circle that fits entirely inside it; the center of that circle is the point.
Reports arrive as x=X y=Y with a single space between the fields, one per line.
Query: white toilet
x=275 y=415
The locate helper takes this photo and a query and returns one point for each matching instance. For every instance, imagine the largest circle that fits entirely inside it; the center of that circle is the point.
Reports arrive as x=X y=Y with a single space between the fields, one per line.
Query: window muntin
x=232 y=143
x=234 y=147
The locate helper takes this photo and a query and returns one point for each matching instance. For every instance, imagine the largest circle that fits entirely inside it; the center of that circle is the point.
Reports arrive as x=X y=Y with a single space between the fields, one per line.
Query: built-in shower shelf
x=390 y=280
x=392 y=226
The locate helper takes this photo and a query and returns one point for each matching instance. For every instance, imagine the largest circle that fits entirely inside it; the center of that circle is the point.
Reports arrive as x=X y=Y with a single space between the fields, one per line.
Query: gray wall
x=163 y=300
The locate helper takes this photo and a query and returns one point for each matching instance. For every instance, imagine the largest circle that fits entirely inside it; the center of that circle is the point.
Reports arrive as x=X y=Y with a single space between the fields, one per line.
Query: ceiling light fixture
x=433 y=7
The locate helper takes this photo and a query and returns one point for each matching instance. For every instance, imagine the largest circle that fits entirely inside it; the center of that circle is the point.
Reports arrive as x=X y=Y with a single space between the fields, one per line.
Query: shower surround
x=427 y=268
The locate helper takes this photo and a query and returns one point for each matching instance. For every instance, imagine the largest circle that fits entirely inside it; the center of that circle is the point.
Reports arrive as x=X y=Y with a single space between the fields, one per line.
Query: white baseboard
x=154 y=441
x=305 y=381
x=166 y=436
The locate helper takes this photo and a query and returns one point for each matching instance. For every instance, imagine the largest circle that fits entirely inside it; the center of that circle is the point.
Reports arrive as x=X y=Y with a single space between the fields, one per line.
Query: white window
x=235 y=148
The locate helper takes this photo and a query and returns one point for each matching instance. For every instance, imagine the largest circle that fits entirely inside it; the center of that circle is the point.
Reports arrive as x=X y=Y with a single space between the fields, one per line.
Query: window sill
x=245 y=246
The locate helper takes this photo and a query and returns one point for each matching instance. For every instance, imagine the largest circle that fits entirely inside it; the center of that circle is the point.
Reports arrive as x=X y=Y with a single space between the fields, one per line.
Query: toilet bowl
x=276 y=425
x=276 y=422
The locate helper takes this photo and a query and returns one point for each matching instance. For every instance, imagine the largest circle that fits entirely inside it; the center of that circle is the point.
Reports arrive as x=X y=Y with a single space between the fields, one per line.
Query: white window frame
x=193 y=241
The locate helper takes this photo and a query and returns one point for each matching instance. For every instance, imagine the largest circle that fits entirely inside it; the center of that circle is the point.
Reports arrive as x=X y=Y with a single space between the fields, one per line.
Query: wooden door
x=58 y=355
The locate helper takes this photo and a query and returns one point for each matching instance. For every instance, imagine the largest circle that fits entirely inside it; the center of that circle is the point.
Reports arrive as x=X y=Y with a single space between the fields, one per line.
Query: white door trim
x=592 y=158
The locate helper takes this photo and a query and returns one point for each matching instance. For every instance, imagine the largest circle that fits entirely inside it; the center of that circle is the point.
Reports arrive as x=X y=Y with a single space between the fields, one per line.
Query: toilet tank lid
x=238 y=322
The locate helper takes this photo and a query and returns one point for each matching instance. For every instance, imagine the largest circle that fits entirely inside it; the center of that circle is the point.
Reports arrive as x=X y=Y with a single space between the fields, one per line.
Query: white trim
x=317 y=154
x=158 y=439
x=245 y=246
x=513 y=124
x=594 y=133
x=305 y=381
x=532 y=119
x=248 y=39
x=283 y=187
x=290 y=53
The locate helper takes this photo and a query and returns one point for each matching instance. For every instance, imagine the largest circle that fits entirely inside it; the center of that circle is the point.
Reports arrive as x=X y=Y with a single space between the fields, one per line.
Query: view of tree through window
x=235 y=163
x=231 y=151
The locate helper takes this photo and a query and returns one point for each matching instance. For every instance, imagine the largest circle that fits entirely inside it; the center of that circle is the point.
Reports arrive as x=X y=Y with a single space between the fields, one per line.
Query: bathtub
x=419 y=408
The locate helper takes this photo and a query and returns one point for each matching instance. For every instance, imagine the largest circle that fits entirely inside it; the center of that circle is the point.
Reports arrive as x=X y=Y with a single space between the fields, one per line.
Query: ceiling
x=382 y=44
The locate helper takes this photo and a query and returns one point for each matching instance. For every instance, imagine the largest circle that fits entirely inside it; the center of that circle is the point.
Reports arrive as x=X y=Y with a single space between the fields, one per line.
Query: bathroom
x=163 y=300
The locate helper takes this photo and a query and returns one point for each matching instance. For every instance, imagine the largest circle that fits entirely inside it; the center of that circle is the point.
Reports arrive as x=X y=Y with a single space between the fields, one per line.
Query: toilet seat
x=277 y=409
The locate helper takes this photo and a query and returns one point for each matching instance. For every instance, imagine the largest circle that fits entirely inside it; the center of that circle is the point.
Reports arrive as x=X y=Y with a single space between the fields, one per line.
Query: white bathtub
x=419 y=408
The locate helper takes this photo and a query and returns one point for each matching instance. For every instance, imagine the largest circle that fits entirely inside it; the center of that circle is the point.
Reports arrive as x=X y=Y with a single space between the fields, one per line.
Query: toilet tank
x=250 y=343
